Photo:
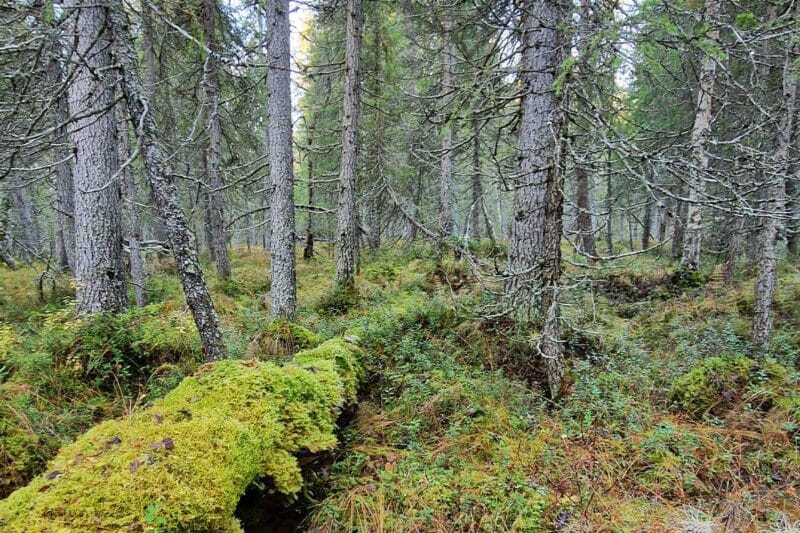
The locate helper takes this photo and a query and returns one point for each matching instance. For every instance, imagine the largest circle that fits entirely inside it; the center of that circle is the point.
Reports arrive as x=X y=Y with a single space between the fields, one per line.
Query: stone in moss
x=194 y=452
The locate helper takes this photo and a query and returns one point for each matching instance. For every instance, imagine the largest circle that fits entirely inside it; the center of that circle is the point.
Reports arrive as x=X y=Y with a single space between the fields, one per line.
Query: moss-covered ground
x=668 y=423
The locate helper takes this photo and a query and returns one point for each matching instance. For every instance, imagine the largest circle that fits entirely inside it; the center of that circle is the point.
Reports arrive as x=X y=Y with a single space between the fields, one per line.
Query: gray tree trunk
x=346 y=226
x=164 y=190
x=5 y=255
x=609 y=205
x=701 y=133
x=99 y=267
x=216 y=196
x=64 y=205
x=28 y=227
x=134 y=229
x=283 y=290
x=584 y=219
x=476 y=208
x=446 y=197
x=766 y=278
x=535 y=243
x=647 y=221
x=540 y=131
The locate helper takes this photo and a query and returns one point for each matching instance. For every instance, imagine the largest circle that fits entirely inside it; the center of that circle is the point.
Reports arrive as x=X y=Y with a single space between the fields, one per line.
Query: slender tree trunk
x=446 y=196
x=701 y=132
x=164 y=190
x=793 y=214
x=679 y=221
x=733 y=249
x=65 y=233
x=99 y=270
x=609 y=205
x=283 y=290
x=585 y=229
x=216 y=196
x=766 y=278
x=647 y=221
x=308 y=248
x=5 y=255
x=476 y=210
x=29 y=232
x=134 y=229
x=347 y=229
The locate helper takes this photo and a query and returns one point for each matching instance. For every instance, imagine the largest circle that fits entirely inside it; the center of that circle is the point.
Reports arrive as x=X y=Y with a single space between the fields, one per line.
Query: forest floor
x=666 y=424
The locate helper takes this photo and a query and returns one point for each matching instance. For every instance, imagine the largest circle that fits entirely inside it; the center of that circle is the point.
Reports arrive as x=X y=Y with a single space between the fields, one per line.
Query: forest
x=399 y=266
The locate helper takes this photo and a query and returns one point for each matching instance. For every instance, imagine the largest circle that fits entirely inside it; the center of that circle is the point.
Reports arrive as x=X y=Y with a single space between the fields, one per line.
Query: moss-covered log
x=182 y=464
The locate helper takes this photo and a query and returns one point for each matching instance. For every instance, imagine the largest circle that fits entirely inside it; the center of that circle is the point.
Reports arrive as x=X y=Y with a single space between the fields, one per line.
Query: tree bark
x=164 y=190
x=540 y=129
x=476 y=210
x=647 y=221
x=766 y=278
x=446 y=196
x=346 y=227
x=584 y=219
x=283 y=290
x=679 y=221
x=99 y=270
x=216 y=196
x=535 y=243
x=134 y=229
x=609 y=205
x=701 y=132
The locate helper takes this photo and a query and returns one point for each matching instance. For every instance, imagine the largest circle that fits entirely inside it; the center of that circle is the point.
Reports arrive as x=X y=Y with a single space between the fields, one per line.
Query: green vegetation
x=193 y=453
x=667 y=419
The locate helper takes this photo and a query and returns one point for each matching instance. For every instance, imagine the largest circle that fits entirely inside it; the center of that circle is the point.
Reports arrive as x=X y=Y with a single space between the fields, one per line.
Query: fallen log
x=183 y=463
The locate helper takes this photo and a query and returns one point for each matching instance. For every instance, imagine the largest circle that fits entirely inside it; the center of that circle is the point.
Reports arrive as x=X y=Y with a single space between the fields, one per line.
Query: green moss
x=194 y=452
x=717 y=383
x=281 y=337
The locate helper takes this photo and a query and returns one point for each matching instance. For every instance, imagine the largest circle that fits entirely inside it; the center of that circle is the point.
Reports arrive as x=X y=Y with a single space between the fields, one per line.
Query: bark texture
x=164 y=190
x=701 y=133
x=766 y=278
x=283 y=291
x=446 y=196
x=540 y=131
x=99 y=268
x=346 y=226
x=214 y=181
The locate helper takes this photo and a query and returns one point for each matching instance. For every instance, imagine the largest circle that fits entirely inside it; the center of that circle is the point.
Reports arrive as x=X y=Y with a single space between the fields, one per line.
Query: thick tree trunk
x=701 y=132
x=134 y=229
x=216 y=196
x=535 y=243
x=99 y=267
x=28 y=227
x=164 y=190
x=540 y=131
x=766 y=278
x=446 y=196
x=346 y=226
x=283 y=290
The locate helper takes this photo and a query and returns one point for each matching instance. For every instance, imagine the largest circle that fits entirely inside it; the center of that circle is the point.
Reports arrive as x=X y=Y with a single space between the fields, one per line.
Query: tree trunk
x=701 y=132
x=28 y=229
x=216 y=196
x=99 y=270
x=647 y=221
x=609 y=206
x=585 y=230
x=732 y=249
x=768 y=236
x=793 y=214
x=347 y=229
x=64 y=205
x=540 y=129
x=679 y=221
x=164 y=190
x=5 y=256
x=476 y=210
x=283 y=290
x=535 y=243
x=134 y=229
x=446 y=197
